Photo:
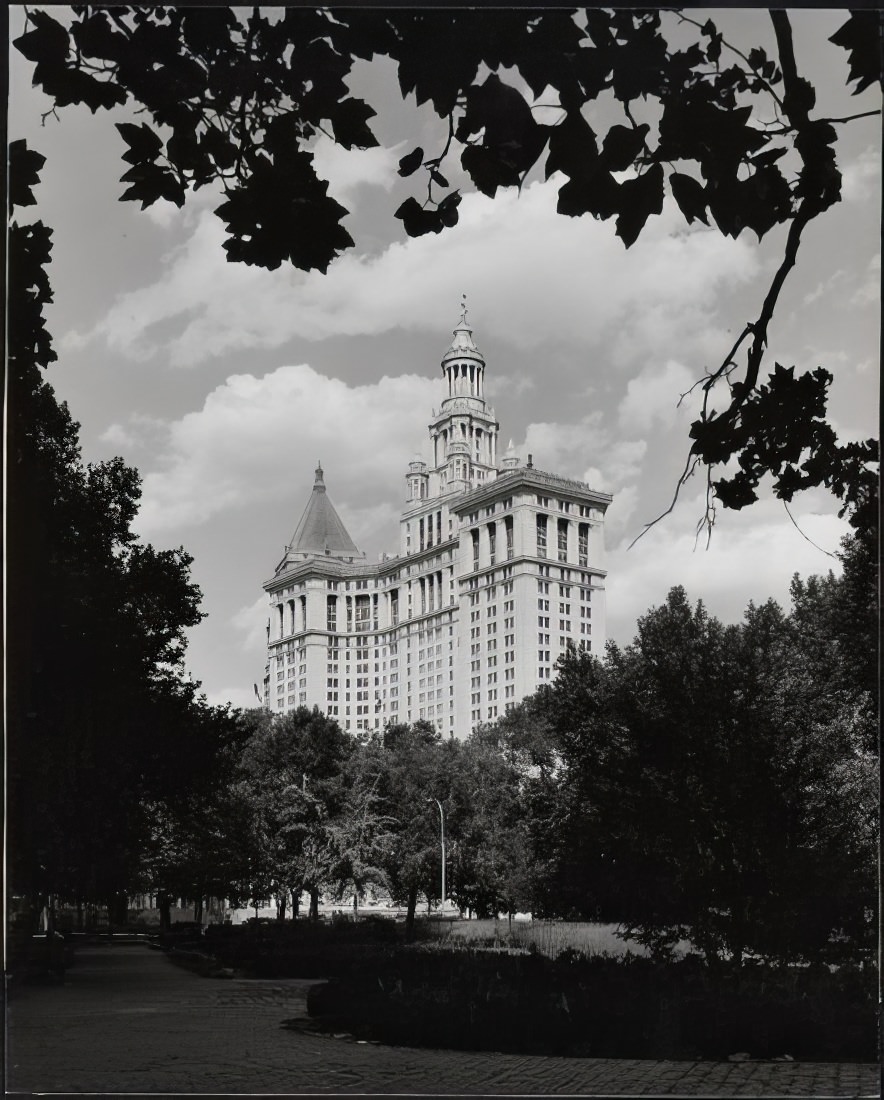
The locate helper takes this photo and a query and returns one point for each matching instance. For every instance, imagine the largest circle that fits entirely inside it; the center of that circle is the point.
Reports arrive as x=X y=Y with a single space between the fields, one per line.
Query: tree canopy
x=103 y=722
x=715 y=783
x=644 y=104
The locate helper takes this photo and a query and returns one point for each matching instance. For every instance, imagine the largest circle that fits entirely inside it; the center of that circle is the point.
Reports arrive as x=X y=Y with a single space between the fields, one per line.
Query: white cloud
x=241 y=697
x=618 y=517
x=653 y=396
x=163 y=213
x=752 y=556
x=139 y=432
x=250 y=623
x=529 y=273
x=869 y=291
x=861 y=179
x=349 y=169
x=824 y=288
x=256 y=437
x=584 y=450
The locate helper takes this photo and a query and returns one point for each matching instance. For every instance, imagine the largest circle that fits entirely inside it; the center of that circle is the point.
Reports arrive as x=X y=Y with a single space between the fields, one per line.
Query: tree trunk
x=198 y=911
x=409 y=914
x=355 y=903
x=281 y=904
x=314 y=904
x=296 y=901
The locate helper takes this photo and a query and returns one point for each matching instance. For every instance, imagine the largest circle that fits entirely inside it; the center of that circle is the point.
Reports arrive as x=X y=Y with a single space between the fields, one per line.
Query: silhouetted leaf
x=150 y=182
x=639 y=198
x=486 y=169
x=448 y=209
x=416 y=220
x=96 y=38
x=283 y=212
x=690 y=196
x=572 y=148
x=47 y=43
x=143 y=143
x=622 y=145
x=350 y=123
x=861 y=36
x=69 y=85
x=411 y=162
x=24 y=173
x=596 y=193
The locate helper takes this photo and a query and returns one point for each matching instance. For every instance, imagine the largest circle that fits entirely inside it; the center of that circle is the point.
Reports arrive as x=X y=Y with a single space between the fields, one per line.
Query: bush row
x=603 y=1007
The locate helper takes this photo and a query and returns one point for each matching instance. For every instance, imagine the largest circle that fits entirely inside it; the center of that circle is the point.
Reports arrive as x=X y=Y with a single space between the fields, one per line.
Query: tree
x=290 y=776
x=492 y=869
x=415 y=771
x=361 y=836
x=102 y=720
x=708 y=790
x=234 y=100
x=197 y=847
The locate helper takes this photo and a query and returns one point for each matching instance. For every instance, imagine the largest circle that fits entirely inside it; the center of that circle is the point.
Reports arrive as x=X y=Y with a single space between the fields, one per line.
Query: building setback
x=500 y=567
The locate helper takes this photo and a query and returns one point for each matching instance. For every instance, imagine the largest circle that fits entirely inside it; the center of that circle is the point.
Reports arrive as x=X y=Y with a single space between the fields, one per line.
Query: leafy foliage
x=102 y=721
x=717 y=783
x=290 y=781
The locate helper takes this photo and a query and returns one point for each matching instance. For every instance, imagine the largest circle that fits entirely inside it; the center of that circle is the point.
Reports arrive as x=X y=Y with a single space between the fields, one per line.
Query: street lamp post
x=442 y=834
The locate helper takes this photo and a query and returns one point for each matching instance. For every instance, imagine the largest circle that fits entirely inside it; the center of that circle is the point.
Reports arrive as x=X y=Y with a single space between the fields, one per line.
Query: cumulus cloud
x=752 y=556
x=518 y=259
x=869 y=290
x=347 y=170
x=652 y=397
x=138 y=432
x=250 y=623
x=861 y=178
x=256 y=436
x=824 y=288
x=586 y=450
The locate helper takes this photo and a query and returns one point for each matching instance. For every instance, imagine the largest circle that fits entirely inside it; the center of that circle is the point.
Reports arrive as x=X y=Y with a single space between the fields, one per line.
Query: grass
x=549 y=938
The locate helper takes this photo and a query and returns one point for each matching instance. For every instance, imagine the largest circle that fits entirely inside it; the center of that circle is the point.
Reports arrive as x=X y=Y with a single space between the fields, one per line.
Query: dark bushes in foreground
x=302 y=949
x=603 y=1007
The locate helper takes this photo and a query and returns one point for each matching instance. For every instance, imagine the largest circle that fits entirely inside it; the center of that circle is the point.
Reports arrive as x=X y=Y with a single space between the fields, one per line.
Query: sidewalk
x=128 y=1020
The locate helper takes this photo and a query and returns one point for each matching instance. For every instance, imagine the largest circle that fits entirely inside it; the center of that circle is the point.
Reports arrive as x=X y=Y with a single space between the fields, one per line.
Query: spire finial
x=318 y=476
x=463 y=311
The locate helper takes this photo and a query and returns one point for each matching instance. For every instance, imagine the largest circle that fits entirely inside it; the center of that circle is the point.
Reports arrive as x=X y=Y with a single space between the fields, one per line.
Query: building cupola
x=418 y=479
x=463 y=364
x=510 y=460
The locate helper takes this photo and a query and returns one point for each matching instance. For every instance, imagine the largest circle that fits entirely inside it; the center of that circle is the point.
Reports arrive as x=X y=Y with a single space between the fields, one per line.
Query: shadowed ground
x=128 y=1020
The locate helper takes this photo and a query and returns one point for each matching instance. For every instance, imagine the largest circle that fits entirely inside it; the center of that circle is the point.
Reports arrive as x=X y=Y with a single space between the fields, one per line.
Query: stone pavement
x=128 y=1020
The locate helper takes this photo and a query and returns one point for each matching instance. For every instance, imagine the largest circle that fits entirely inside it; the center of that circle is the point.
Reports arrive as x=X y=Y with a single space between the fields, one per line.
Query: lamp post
x=442 y=834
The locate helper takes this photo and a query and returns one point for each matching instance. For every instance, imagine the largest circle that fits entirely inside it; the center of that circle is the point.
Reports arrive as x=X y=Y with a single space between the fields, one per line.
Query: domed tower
x=417 y=479
x=464 y=434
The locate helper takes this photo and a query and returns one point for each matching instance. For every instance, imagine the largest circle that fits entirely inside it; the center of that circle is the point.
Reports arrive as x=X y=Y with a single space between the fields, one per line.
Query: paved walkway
x=128 y=1020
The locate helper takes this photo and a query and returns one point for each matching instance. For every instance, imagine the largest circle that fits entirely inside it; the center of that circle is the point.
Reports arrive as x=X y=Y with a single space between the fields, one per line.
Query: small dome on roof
x=463 y=346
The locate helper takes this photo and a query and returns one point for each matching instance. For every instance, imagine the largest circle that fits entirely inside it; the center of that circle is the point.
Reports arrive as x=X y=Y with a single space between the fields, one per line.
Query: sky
x=224 y=384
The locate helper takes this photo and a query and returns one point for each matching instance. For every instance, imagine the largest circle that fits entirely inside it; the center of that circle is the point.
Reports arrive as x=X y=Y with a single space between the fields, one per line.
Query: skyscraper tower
x=500 y=568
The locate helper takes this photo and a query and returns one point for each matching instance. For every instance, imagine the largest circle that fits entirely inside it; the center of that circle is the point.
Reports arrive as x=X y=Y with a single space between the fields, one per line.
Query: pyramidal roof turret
x=320 y=531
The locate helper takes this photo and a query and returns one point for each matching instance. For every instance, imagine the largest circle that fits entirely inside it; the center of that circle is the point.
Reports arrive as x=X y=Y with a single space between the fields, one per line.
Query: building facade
x=500 y=567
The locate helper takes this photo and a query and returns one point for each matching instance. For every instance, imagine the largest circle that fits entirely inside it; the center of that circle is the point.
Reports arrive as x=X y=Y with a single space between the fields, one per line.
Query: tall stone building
x=500 y=567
